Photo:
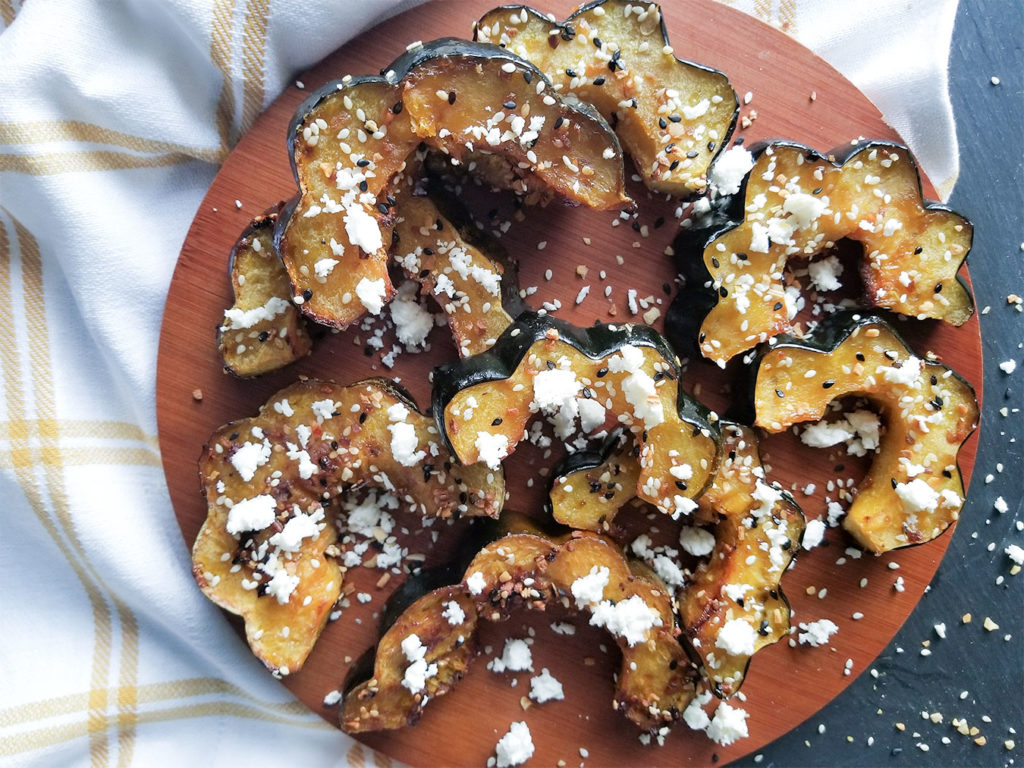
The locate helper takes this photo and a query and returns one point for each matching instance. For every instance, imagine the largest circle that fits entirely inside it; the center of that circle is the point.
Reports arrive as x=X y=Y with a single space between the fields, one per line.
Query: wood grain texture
x=786 y=685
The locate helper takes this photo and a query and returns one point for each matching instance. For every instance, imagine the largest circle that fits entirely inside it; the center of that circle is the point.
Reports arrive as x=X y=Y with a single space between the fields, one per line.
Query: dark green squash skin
x=697 y=297
x=567 y=25
x=596 y=342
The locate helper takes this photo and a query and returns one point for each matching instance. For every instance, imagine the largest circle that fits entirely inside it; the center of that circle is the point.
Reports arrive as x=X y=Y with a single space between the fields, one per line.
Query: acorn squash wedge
x=469 y=274
x=606 y=376
x=351 y=136
x=582 y=572
x=269 y=480
x=913 y=490
x=795 y=202
x=733 y=606
x=262 y=330
x=672 y=116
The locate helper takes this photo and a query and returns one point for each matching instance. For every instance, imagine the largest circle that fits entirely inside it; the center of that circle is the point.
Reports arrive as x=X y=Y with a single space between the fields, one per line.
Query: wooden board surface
x=786 y=685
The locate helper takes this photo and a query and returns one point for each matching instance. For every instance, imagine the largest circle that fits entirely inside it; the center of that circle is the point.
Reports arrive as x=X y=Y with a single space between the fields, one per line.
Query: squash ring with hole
x=606 y=376
x=913 y=490
x=795 y=202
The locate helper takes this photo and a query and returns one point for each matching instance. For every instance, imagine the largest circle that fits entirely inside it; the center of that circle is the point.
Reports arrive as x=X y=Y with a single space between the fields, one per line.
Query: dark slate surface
x=986 y=666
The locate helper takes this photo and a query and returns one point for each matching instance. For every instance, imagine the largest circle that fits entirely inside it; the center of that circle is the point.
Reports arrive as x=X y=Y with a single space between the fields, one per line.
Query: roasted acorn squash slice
x=262 y=331
x=734 y=605
x=672 y=116
x=261 y=552
x=607 y=376
x=795 y=202
x=351 y=136
x=421 y=656
x=583 y=572
x=590 y=487
x=913 y=490
x=469 y=275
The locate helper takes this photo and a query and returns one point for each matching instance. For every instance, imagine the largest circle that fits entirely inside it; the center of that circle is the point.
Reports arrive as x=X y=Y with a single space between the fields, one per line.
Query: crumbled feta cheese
x=592 y=413
x=694 y=714
x=589 y=589
x=412 y=320
x=817 y=633
x=306 y=466
x=371 y=293
x=917 y=496
x=453 y=613
x=323 y=410
x=814 y=534
x=515 y=657
x=418 y=671
x=759 y=242
x=728 y=725
x=282 y=585
x=804 y=208
x=363 y=230
x=324 y=267
x=491 y=448
x=630 y=619
x=516 y=746
x=729 y=170
x=1008 y=366
x=696 y=110
x=545 y=688
x=824 y=273
x=405 y=444
x=640 y=392
x=476 y=583
x=737 y=637
x=251 y=514
x=249 y=457
x=240 y=319
x=301 y=526
x=908 y=373
x=1015 y=553
x=696 y=541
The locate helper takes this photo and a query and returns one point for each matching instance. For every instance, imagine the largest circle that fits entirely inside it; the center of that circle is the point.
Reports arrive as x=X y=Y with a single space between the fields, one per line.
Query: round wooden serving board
x=786 y=685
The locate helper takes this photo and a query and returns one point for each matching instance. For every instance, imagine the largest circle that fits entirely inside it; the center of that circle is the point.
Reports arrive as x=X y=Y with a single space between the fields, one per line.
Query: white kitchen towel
x=114 y=117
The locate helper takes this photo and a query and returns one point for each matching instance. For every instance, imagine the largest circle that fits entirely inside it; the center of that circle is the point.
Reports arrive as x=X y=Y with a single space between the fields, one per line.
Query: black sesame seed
x=598 y=81
x=587 y=394
x=597 y=42
x=692 y=153
x=763 y=630
x=362 y=417
x=711 y=146
x=828 y=384
x=715 y=263
x=382 y=207
x=438 y=225
x=550 y=364
x=397 y=109
x=946 y=473
x=934 y=380
x=723 y=292
x=307 y=294
x=571 y=72
x=674 y=164
x=780 y=393
x=558 y=123
x=918 y=250
x=509 y=105
x=816 y=191
x=363 y=162
x=568 y=32
x=680 y=485
x=675 y=118
x=264 y=335
x=893 y=481
x=528 y=77
x=778 y=306
x=938 y=287
x=496 y=422
x=233 y=436
x=334 y=444
x=860 y=356
x=609 y=495
x=662 y=123
x=739 y=140
x=451 y=97
x=363 y=185
x=602 y=372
